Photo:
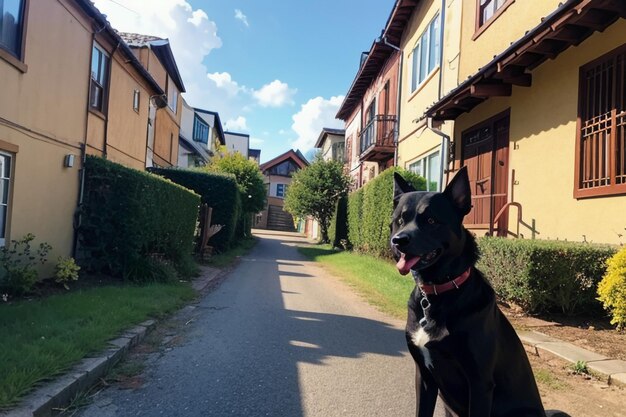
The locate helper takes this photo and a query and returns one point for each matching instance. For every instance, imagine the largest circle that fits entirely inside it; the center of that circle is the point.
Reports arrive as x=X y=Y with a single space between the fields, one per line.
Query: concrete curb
x=46 y=400
x=612 y=371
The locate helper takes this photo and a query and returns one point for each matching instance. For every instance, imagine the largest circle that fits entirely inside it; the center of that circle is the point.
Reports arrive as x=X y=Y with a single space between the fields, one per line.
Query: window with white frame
x=281 y=190
x=136 y=100
x=426 y=53
x=5 y=182
x=99 y=74
x=428 y=167
x=172 y=95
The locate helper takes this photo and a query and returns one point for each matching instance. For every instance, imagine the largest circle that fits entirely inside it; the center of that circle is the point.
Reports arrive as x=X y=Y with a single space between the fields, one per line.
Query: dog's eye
x=431 y=220
x=400 y=222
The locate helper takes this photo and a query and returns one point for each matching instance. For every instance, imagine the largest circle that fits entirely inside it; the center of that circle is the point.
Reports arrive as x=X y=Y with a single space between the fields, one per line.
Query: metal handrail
x=374 y=134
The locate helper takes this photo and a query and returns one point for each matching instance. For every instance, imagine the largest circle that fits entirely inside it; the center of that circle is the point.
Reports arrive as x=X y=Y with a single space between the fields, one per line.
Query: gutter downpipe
x=83 y=152
x=445 y=139
x=396 y=130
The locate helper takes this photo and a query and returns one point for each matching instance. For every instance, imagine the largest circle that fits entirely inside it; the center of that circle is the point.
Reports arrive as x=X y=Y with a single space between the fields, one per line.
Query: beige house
x=155 y=54
x=52 y=113
x=277 y=174
x=331 y=144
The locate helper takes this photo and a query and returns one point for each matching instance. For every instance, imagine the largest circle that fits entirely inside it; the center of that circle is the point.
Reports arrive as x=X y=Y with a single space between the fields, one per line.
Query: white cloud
x=224 y=81
x=275 y=94
x=236 y=125
x=315 y=114
x=256 y=141
x=240 y=16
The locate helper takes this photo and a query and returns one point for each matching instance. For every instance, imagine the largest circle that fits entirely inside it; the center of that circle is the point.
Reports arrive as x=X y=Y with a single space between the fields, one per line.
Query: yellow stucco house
x=69 y=87
x=540 y=117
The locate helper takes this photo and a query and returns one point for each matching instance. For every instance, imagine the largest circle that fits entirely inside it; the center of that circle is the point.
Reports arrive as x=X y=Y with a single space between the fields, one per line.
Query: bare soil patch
x=577 y=395
x=596 y=335
x=580 y=395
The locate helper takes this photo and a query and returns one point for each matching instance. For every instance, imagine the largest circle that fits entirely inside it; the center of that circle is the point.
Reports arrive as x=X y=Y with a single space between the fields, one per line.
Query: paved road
x=278 y=338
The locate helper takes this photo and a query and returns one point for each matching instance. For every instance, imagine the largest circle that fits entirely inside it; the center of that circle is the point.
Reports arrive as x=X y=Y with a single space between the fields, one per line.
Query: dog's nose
x=401 y=239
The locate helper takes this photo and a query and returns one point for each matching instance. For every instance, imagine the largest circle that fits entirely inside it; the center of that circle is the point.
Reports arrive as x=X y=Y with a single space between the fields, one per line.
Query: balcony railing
x=377 y=138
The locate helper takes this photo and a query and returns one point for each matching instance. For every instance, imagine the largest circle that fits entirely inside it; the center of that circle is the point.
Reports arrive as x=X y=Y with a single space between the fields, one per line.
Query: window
x=338 y=152
x=99 y=74
x=428 y=167
x=488 y=8
x=5 y=179
x=136 y=100
x=172 y=95
x=200 y=130
x=601 y=139
x=426 y=53
x=281 y=190
x=12 y=26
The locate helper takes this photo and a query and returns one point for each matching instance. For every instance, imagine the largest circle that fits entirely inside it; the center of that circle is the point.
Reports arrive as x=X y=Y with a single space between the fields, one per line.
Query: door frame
x=492 y=122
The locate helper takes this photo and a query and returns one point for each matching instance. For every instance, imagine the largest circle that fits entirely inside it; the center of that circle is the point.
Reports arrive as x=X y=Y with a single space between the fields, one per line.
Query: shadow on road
x=261 y=343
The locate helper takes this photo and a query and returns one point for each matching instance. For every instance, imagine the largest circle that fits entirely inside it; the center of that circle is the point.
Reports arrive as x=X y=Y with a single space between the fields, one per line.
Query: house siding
x=543 y=128
x=43 y=120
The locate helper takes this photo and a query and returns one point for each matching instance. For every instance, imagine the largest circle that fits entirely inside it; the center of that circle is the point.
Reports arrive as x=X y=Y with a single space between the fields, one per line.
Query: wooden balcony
x=377 y=144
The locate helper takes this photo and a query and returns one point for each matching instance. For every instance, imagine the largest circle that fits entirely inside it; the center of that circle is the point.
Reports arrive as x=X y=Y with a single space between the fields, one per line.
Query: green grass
x=548 y=379
x=42 y=338
x=375 y=279
x=226 y=258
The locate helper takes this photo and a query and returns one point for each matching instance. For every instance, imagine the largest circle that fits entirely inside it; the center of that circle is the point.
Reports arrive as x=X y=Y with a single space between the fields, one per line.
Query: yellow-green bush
x=612 y=289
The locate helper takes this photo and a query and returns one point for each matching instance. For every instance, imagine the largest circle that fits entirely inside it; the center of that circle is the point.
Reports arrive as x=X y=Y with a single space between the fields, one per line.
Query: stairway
x=278 y=219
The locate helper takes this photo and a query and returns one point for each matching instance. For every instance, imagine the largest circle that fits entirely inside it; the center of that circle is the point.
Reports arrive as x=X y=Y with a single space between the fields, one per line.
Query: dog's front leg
x=481 y=399
x=426 y=394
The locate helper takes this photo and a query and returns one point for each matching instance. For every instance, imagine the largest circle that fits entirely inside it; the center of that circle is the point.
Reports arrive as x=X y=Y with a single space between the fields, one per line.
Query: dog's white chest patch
x=420 y=337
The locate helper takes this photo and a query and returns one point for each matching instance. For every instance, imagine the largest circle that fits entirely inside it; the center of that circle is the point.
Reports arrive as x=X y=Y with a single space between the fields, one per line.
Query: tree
x=314 y=192
x=247 y=174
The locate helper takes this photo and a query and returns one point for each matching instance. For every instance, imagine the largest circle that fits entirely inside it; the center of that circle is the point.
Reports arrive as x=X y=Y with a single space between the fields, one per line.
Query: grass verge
x=226 y=258
x=375 y=279
x=42 y=338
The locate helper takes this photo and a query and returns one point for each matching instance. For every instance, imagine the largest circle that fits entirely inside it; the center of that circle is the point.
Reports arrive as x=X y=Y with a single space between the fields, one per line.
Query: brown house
x=69 y=87
x=277 y=173
x=370 y=109
x=156 y=56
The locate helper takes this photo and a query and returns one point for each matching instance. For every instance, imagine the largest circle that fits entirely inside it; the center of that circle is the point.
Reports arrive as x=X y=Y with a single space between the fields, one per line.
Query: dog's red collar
x=450 y=285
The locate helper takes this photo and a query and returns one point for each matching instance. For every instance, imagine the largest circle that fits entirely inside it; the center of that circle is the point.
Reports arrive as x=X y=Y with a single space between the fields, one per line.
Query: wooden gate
x=485 y=152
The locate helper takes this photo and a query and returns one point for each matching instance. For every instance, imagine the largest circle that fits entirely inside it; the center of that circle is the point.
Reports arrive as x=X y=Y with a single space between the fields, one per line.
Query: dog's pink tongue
x=404 y=266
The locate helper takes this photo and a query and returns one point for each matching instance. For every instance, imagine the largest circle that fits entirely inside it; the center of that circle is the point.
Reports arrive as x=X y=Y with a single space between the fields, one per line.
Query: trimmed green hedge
x=338 y=229
x=218 y=191
x=370 y=215
x=355 y=218
x=128 y=217
x=544 y=276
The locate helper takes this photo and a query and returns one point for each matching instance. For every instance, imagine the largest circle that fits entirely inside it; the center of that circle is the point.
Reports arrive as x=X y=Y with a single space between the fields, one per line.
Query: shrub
x=543 y=276
x=218 y=191
x=338 y=230
x=129 y=215
x=378 y=208
x=612 y=289
x=19 y=262
x=65 y=271
x=355 y=219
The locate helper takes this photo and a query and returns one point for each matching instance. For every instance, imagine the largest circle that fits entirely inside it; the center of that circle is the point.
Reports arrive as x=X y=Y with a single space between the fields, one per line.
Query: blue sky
x=277 y=70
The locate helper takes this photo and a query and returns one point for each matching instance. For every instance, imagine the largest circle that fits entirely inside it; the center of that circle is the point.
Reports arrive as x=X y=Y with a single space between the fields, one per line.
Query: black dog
x=464 y=347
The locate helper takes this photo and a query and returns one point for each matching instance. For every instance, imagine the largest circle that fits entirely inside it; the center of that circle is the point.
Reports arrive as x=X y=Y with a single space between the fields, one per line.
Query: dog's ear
x=459 y=192
x=400 y=186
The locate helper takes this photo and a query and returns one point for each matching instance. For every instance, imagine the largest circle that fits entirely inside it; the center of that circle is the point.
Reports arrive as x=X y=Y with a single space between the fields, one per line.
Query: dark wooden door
x=486 y=155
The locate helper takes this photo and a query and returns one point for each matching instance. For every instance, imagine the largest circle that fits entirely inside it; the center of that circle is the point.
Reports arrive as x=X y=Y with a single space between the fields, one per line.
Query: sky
x=277 y=70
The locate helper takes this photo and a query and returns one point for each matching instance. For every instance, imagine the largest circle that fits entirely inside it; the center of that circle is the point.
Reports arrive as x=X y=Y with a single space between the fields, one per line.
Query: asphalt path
x=279 y=337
